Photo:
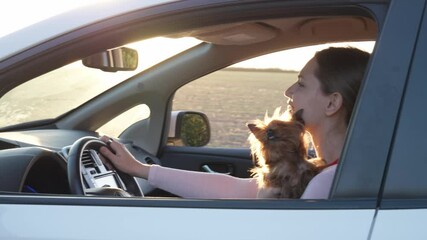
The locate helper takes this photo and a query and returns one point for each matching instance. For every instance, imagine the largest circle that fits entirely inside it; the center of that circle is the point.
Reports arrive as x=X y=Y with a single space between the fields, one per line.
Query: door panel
x=400 y=224
x=237 y=162
x=113 y=222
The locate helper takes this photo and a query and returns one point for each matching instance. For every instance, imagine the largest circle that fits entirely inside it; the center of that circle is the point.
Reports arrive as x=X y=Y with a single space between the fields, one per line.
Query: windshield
x=57 y=92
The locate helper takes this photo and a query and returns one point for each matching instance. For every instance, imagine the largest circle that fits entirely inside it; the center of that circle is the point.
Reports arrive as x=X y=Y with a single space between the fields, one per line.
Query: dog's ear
x=252 y=127
x=297 y=117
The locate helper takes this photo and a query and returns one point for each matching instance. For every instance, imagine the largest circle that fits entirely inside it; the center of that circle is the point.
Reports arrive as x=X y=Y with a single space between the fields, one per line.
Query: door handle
x=207 y=169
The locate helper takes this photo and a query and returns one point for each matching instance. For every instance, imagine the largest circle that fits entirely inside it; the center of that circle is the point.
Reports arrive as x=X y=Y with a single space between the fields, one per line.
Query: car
x=162 y=77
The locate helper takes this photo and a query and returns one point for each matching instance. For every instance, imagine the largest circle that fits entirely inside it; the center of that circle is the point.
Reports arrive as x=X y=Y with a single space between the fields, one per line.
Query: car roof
x=69 y=21
x=224 y=35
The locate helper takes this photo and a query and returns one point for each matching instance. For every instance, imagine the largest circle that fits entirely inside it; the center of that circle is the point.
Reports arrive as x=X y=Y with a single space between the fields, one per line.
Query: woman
x=326 y=89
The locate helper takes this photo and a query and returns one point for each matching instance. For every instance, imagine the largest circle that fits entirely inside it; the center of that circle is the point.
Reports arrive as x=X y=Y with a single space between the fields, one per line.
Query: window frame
x=404 y=186
x=367 y=145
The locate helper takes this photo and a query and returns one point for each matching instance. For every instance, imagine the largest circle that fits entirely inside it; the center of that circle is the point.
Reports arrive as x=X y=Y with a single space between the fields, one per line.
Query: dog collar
x=331 y=163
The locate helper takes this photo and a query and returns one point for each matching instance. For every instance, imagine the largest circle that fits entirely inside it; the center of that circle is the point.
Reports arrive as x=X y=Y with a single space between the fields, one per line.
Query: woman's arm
x=191 y=184
x=187 y=184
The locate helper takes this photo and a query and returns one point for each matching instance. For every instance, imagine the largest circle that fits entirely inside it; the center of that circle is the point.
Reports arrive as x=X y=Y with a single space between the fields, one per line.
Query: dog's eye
x=270 y=134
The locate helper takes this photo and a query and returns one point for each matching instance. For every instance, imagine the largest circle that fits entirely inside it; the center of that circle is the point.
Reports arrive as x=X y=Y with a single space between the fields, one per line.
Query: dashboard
x=35 y=161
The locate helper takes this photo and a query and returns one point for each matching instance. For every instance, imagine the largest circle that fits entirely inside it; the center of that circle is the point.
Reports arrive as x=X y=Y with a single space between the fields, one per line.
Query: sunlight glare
x=155 y=50
x=18 y=14
x=295 y=59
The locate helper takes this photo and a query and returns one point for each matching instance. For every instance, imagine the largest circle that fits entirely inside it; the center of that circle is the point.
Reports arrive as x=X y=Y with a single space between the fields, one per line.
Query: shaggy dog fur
x=280 y=155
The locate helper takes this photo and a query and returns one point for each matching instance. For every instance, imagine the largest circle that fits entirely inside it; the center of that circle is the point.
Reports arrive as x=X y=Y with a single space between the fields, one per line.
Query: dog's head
x=277 y=137
x=276 y=130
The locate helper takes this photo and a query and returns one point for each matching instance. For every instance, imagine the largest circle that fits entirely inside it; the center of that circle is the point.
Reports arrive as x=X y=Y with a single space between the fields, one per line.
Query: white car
x=71 y=78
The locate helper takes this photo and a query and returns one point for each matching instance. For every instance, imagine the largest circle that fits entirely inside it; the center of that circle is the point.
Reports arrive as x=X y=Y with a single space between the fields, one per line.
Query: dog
x=279 y=151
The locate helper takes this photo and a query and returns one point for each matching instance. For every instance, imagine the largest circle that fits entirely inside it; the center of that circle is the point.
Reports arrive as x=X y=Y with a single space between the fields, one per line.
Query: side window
x=118 y=124
x=246 y=91
x=232 y=97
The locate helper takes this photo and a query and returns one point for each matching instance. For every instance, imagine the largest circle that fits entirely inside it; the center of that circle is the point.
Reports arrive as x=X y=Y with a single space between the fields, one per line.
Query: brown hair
x=341 y=70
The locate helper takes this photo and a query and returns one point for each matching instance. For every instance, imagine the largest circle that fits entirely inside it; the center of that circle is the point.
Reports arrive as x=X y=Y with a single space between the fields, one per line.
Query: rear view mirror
x=189 y=128
x=113 y=60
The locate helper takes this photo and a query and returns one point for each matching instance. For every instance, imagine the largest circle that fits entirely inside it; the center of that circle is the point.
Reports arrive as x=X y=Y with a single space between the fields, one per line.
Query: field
x=230 y=99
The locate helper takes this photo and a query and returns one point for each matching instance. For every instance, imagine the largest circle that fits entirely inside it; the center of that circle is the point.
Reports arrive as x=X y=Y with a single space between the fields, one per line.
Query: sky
x=18 y=14
x=295 y=59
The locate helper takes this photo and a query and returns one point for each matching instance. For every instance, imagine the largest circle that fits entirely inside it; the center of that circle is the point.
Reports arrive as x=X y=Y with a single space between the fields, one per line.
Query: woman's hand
x=119 y=157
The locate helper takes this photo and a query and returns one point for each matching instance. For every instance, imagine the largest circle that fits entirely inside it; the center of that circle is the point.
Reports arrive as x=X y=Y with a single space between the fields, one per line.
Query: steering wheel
x=75 y=178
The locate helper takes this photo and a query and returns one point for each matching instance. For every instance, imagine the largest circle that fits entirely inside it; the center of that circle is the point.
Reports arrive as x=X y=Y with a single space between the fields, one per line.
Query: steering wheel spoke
x=87 y=175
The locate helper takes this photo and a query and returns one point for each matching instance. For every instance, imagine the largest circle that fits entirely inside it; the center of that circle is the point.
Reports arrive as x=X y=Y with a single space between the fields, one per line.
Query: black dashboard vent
x=87 y=160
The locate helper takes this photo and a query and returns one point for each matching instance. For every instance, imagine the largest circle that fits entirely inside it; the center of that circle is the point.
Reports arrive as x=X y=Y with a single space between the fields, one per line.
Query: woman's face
x=306 y=94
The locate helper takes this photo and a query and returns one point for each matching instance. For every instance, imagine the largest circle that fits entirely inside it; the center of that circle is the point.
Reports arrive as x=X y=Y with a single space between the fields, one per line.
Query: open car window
x=247 y=91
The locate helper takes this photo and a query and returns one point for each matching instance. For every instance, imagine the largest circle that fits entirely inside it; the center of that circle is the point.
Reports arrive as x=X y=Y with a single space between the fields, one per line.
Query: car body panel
x=400 y=224
x=178 y=223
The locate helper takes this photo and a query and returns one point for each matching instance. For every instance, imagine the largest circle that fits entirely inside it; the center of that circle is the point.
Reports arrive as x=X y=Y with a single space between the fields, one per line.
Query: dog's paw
x=268 y=192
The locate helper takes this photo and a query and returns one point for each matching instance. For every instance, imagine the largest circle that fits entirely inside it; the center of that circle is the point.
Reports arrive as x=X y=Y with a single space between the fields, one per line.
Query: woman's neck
x=329 y=141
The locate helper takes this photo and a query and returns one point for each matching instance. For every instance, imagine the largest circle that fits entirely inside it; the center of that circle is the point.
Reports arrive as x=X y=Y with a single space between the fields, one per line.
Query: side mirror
x=113 y=60
x=189 y=128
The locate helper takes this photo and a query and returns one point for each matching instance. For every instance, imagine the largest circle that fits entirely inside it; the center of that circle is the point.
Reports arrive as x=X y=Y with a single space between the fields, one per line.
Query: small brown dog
x=279 y=150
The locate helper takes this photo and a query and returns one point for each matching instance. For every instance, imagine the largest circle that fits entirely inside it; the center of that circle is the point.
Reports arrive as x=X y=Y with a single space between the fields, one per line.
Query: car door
x=403 y=208
x=237 y=159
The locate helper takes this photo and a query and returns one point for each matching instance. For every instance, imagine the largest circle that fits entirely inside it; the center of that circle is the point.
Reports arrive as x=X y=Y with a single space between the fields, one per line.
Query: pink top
x=192 y=184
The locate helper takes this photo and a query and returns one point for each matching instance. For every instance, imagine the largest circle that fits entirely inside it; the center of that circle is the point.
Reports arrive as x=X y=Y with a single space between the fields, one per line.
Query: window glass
x=118 y=124
x=246 y=91
x=55 y=93
x=231 y=97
